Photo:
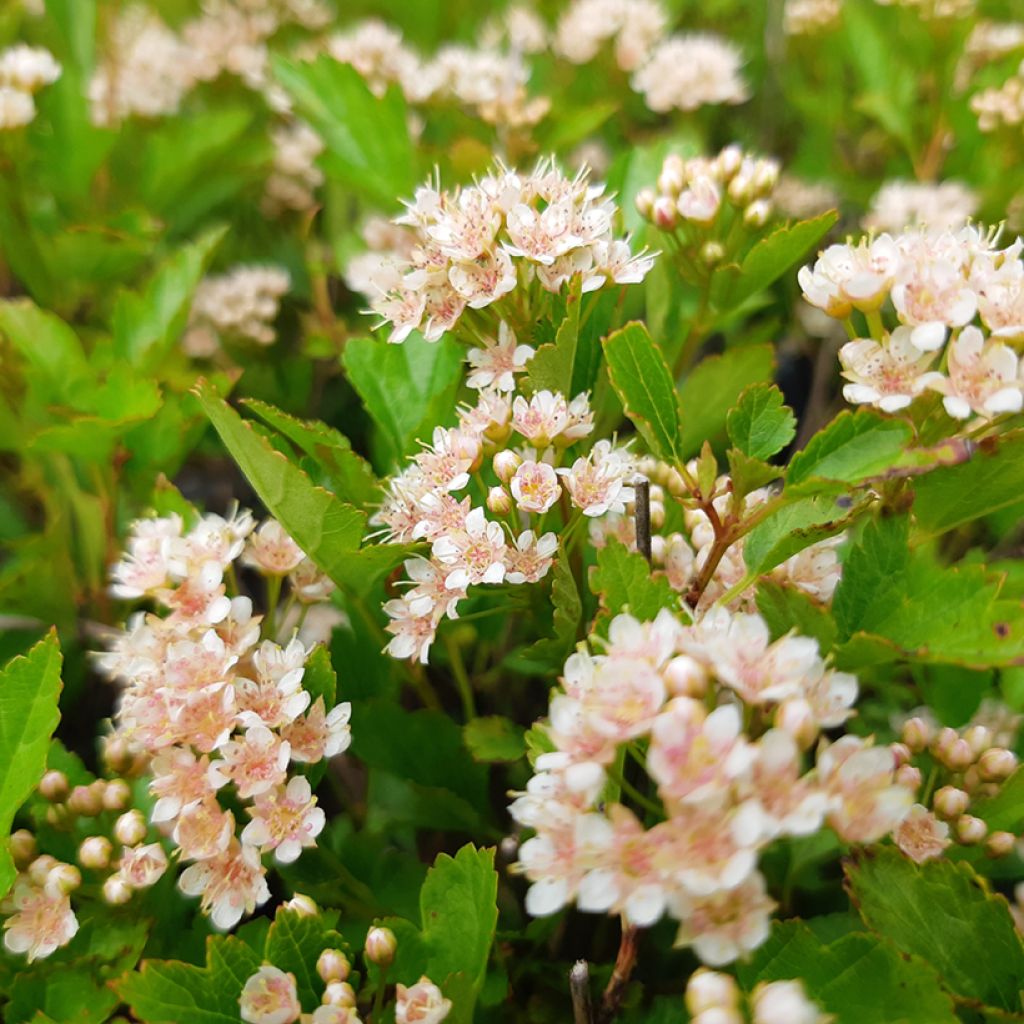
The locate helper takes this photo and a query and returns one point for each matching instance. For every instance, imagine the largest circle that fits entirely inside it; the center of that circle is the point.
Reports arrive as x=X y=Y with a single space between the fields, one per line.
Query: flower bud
x=718 y=1015
x=658 y=547
x=676 y=484
x=916 y=734
x=116 y=754
x=1000 y=844
x=671 y=179
x=302 y=905
x=970 y=830
x=950 y=802
x=756 y=215
x=766 y=176
x=645 y=202
x=741 y=189
x=41 y=867
x=686 y=677
x=900 y=753
x=708 y=990
x=53 y=786
x=130 y=828
x=979 y=739
x=972 y=778
x=94 y=853
x=86 y=801
x=505 y=465
x=997 y=764
x=647 y=466
x=499 y=501
x=116 y=891
x=783 y=1002
x=796 y=716
x=339 y=993
x=729 y=161
x=22 y=845
x=664 y=213
x=117 y=795
x=63 y=879
x=380 y=946
x=909 y=775
x=712 y=253
x=657 y=515
x=333 y=965
x=958 y=756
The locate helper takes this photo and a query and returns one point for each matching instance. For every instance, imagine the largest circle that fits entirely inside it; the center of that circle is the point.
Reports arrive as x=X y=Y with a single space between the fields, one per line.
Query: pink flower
x=597 y=483
x=142 y=866
x=310 y=583
x=285 y=821
x=144 y=568
x=932 y=295
x=530 y=558
x=204 y=830
x=207 y=719
x=429 y=595
x=422 y=1003
x=541 y=418
x=496 y=363
x=255 y=763
x=272 y=551
x=982 y=377
x=412 y=634
x=270 y=996
x=319 y=735
x=42 y=921
x=449 y=460
x=483 y=280
x=846 y=276
x=888 y=375
x=920 y=835
x=475 y=554
x=535 y=487
x=231 y=884
x=790 y=804
x=180 y=780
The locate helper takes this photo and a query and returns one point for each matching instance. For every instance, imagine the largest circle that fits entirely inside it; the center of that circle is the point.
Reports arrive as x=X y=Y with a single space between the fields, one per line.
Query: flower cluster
x=715 y=998
x=936 y=284
x=632 y=26
x=215 y=701
x=238 y=306
x=295 y=177
x=899 y=205
x=809 y=17
x=508 y=233
x=24 y=70
x=1001 y=106
x=685 y=72
x=708 y=204
x=515 y=448
x=720 y=719
x=40 y=919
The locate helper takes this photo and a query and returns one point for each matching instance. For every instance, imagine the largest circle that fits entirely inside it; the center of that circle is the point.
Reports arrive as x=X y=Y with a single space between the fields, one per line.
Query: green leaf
x=713 y=387
x=624 y=581
x=862 y=979
x=787 y=608
x=70 y=995
x=568 y=365
x=146 y=325
x=408 y=389
x=749 y=474
x=992 y=479
x=944 y=913
x=294 y=943
x=642 y=381
x=1004 y=812
x=853 y=447
x=493 y=739
x=367 y=137
x=568 y=610
x=760 y=425
x=319 y=678
x=171 y=992
x=29 y=689
x=47 y=343
x=768 y=260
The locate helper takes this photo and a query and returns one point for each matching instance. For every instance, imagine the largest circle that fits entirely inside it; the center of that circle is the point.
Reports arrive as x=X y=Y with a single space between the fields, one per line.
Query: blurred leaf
x=943 y=913
x=319 y=678
x=494 y=738
x=571 y=362
x=642 y=381
x=29 y=689
x=786 y=608
x=624 y=581
x=72 y=995
x=48 y=344
x=760 y=424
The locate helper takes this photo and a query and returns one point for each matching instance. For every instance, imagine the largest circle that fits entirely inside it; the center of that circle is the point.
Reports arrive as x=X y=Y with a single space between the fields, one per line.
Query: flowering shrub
x=511 y=512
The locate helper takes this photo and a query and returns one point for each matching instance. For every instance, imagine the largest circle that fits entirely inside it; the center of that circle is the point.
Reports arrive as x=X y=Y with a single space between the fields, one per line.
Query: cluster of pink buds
x=715 y=998
x=517 y=450
x=942 y=312
x=963 y=766
x=723 y=723
x=215 y=700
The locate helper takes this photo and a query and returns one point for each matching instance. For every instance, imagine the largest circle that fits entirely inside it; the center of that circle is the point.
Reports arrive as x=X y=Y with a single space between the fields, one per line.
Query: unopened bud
x=950 y=802
x=41 y=867
x=997 y=764
x=686 y=677
x=664 y=213
x=94 y=853
x=796 y=716
x=909 y=775
x=63 y=879
x=1000 y=844
x=766 y=176
x=958 y=756
x=117 y=755
x=712 y=253
x=657 y=515
x=53 y=786
x=86 y=801
x=116 y=891
x=972 y=779
x=970 y=830
x=130 y=828
x=499 y=501
x=658 y=548
x=117 y=795
x=671 y=180
x=505 y=465
x=339 y=993
x=676 y=484
x=645 y=202
x=979 y=739
x=22 y=845
x=916 y=734
x=302 y=905
x=729 y=160
x=718 y=1015
x=380 y=946
x=707 y=990
x=900 y=753
x=943 y=739
x=757 y=213
x=333 y=965
x=740 y=189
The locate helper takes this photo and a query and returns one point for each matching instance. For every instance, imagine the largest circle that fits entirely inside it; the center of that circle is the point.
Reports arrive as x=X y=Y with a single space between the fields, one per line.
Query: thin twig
x=642 y=516
x=624 y=964
x=579 y=990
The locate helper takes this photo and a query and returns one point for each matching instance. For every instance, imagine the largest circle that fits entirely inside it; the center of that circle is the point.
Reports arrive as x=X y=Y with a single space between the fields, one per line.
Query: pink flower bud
x=997 y=764
x=950 y=802
x=63 y=879
x=909 y=775
x=783 y=1002
x=94 y=853
x=916 y=734
x=728 y=162
x=645 y=202
x=711 y=989
x=658 y=547
x=53 y=786
x=302 y=905
x=505 y=465
x=712 y=253
x=796 y=716
x=970 y=830
x=1000 y=844
x=657 y=515
x=972 y=778
x=671 y=180
x=270 y=996
x=664 y=213
x=41 y=867
x=900 y=752
x=686 y=677
x=22 y=845
x=756 y=215
x=499 y=501
x=116 y=891
x=117 y=796
x=718 y=1015
x=958 y=756
x=380 y=946
x=333 y=965
x=979 y=739
x=86 y=801
x=339 y=993
x=130 y=828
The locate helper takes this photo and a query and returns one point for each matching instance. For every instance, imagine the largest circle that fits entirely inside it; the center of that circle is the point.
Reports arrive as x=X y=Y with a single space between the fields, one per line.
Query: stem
x=624 y=964
x=459 y=671
x=273 y=594
x=378 y=998
x=579 y=992
x=619 y=778
x=642 y=517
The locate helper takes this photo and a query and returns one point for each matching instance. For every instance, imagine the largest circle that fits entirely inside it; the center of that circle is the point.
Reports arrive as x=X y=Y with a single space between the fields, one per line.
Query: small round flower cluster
x=1001 y=106
x=24 y=70
x=682 y=557
x=633 y=26
x=715 y=998
x=41 y=919
x=515 y=449
x=809 y=17
x=935 y=10
x=936 y=283
x=989 y=41
x=685 y=72
x=295 y=177
x=211 y=696
x=899 y=205
x=700 y=200
x=507 y=233
x=519 y=27
x=270 y=996
x=721 y=721
x=969 y=765
x=239 y=306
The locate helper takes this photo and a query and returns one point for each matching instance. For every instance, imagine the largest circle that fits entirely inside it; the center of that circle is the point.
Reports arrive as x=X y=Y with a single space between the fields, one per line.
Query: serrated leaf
x=29 y=690
x=493 y=738
x=319 y=678
x=642 y=381
x=713 y=387
x=943 y=913
x=853 y=447
x=749 y=474
x=624 y=581
x=569 y=364
x=760 y=424
x=293 y=944
x=568 y=610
